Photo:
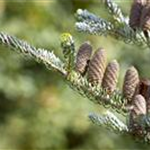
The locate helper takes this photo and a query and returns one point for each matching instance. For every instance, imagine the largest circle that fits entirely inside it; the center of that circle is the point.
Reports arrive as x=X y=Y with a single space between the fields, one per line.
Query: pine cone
x=111 y=76
x=144 y=90
x=139 y=106
x=83 y=56
x=135 y=13
x=97 y=67
x=139 y=109
x=131 y=81
x=145 y=18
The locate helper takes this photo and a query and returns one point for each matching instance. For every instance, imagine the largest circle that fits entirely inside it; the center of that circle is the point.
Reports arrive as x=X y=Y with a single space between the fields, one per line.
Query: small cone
x=83 y=56
x=135 y=13
x=145 y=18
x=144 y=90
x=139 y=109
x=111 y=76
x=139 y=106
x=97 y=67
x=131 y=81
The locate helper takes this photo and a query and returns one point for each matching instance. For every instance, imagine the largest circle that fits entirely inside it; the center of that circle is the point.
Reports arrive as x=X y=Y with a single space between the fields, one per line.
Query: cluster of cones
x=95 y=68
x=140 y=15
x=135 y=90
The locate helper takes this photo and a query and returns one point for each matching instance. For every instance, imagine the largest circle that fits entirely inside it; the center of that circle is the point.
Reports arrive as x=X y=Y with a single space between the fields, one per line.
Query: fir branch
x=93 y=28
x=74 y=79
x=110 y=121
x=97 y=94
x=116 y=12
x=92 y=24
x=89 y=22
x=40 y=55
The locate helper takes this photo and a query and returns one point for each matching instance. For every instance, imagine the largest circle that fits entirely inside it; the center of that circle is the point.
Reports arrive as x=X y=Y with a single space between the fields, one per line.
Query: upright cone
x=131 y=81
x=139 y=109
x=144 y=90
x=139 y=106
x=97 y=67
x=135 y=13
x=111 y=76
x=83 y=56
x=145 y=18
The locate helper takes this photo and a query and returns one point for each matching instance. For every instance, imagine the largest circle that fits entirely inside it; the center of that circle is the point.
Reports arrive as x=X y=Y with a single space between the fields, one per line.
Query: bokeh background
x=37 y=109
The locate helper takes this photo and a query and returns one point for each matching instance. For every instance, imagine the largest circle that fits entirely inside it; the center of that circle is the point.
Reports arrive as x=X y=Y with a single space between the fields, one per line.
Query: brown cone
x=144 y=90
x=145 y=18
x=83 y=56
x=131 y=81
x=135 y=13
x=97 y=67
x=111 y=76
x=139 y=106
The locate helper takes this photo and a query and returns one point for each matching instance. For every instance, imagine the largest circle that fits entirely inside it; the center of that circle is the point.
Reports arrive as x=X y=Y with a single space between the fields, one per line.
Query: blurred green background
x=37 y=109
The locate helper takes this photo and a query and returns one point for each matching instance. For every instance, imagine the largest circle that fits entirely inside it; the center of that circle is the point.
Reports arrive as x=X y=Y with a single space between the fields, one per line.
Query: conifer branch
x=41 y=55
x=88 y=22
x=92 y=24
x=95 y=93
x=110 y=121
x=116 y=12
x=113 y=99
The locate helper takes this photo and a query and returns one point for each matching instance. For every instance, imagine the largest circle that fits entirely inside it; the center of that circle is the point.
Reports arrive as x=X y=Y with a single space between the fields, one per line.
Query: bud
x=67 y=44
x=68 y=47
x=97 y=67
x=83 y=57
x=111 y=76
x=131 y=81
x=135 y=13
